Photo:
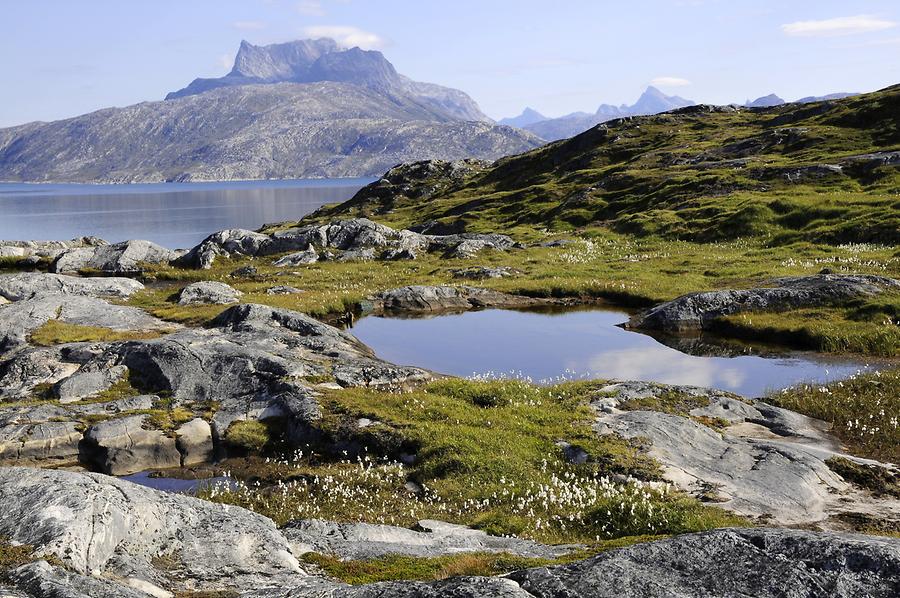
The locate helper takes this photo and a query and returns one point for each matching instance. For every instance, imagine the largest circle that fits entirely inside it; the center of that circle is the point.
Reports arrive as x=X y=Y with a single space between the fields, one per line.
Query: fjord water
x=581 y=344
x=175 y=215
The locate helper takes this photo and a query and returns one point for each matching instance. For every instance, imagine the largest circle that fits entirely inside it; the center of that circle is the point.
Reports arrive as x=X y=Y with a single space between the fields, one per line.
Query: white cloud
x=227 y=61
x=346 y=36
x=311 y=8
x=670 y=82
x=837 y=26
x=249 y=25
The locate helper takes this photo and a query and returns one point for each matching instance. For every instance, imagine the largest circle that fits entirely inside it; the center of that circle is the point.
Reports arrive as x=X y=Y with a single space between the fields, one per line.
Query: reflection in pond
x=175 y=215
x=584 y=344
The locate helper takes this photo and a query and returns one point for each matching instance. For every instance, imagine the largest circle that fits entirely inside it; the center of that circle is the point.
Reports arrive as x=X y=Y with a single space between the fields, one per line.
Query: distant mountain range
x=652 y=101
x=300 y=109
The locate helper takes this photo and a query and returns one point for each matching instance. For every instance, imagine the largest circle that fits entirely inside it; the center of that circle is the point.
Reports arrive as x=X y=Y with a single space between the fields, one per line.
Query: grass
x=486 y=455
x=878 y=480
x=400 y=567
x=57 y=332
x=249 y=435
x=12 y=556
x=863 y=410
x=670 y=401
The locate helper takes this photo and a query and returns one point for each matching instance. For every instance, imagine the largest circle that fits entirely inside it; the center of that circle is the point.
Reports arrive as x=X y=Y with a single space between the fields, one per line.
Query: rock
x=115 y=531
x=445 y=298
x=230 y=242
x=45 y=249
x=307 y=256
x=126 y=256
x=763 y=563
x=356 y=541
x=194 y=441
x=208 y=292
x=15 y=287
x=699 y=310
x=127 y=445
x=19 y=319
x=283 y=290
x=88 y=383
x=28 y=436
x=468 y=249
x=483 y=272
x=477 y=241
x=245 y=272
x=26 y=369
x=357 y=255
x=767 y=462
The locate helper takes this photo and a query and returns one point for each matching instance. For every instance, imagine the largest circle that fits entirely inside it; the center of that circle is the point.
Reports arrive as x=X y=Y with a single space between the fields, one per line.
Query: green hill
x=826 y=172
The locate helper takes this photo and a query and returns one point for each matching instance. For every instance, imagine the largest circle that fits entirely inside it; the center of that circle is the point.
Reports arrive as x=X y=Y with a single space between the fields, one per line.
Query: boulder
x=194 y=441
x=208 y=292
x=28 y=368
x=356 y=541
x=484 y=272
x=697 y=311
x=446 y=298
x=126 y=256
x=283 y=290
x=39 y=435
x=129 y=445
x=25 y=285
x=307 y=256
x=225 y=243
x=88 y=382
x=116 y=531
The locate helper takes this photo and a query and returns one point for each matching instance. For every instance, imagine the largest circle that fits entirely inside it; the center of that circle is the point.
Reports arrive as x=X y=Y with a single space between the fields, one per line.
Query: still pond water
x=582 y=344
x=175 y=215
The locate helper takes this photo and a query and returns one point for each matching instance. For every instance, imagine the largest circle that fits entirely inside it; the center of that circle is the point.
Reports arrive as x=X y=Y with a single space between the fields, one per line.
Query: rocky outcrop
x=444 y=298
x=484 y=272
x=45 y=249
x=117 y=531
x=194 y=442
x=759 y=460
x=698 y=310
x=116 y=539
x=208 y=292
x=357 y=238
x=355 y=541
x=25 y=285
x=19 y=319
x=127 y=256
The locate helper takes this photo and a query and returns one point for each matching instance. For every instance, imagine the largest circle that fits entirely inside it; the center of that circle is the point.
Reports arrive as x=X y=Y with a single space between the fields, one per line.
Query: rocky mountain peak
x=280 y=62
x=765 y=101
x=653 y=101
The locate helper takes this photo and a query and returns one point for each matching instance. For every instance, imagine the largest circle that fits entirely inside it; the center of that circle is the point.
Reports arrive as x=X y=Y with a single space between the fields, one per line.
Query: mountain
x=831 y=96
x=294 y=110
x=310 y=61
x=652 y=101
x=765 y=101
x=825 y=173
x=529 y=116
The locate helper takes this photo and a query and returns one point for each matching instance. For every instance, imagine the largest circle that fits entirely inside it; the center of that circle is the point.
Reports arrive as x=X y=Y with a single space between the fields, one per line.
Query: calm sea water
x=176 y=215
x=579 y=344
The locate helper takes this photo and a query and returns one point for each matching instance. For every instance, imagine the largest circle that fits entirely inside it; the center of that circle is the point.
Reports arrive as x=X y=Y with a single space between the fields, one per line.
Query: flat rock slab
x=697 y=311
x=767 y=461
x=101 y=526
x=355 y=541
x=15 y=287
x=21 y=318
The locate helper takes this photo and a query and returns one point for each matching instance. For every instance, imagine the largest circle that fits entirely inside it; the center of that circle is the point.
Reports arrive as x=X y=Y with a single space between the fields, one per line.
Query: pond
x=582 y=344
x=156 y=481
x=175 y=215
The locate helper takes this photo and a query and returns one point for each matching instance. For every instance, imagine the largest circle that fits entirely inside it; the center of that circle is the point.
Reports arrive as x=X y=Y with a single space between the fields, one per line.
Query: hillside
x=345 y=113
x=825 y=172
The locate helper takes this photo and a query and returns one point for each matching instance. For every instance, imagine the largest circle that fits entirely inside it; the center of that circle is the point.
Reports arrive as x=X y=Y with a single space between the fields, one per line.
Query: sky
x=65 y=57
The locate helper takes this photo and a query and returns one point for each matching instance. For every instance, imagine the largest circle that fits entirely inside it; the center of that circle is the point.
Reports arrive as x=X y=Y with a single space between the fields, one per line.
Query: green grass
x=863 y=411
x=486 y=455
x=56 y=332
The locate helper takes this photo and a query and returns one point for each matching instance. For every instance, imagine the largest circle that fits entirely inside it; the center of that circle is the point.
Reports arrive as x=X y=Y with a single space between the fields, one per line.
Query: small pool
x=177 y=485
x=548 y=346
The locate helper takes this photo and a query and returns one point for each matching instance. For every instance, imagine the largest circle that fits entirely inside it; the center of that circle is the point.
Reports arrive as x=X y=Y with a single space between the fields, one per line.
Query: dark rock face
x=435 y=299
x=697 y=310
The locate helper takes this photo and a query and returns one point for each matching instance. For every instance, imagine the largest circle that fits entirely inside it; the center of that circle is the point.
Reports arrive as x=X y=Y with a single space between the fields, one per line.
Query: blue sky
x=65 y=57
